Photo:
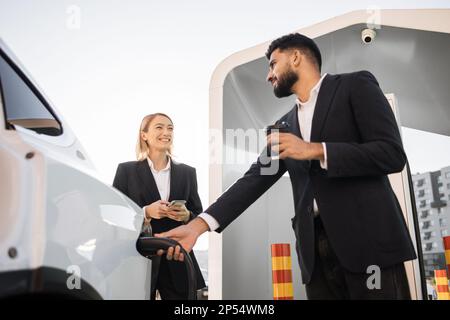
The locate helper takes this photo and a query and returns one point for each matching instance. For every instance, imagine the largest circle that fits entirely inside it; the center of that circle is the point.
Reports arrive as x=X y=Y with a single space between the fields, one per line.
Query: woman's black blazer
x=135 y=180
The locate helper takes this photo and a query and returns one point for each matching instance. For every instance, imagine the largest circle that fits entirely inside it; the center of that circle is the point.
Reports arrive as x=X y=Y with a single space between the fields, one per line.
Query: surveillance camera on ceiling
x=368 y=35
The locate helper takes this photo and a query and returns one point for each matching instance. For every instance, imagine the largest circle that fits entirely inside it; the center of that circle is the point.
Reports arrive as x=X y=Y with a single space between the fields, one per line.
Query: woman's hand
x=178 y=212
x=157 y=210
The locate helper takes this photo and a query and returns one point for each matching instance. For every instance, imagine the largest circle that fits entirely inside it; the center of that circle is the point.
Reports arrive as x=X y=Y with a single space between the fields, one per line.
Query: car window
x=23 y=106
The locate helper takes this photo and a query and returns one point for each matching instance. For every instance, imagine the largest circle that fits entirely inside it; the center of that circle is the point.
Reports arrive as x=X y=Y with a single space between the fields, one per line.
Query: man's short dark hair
x=300 y=42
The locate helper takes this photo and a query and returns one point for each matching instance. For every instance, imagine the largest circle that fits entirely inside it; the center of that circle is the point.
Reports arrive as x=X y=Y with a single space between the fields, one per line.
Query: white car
x=63 y=232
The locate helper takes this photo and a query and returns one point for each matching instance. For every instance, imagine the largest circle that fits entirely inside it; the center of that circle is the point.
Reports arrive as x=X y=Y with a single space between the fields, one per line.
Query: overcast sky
x=121 y=60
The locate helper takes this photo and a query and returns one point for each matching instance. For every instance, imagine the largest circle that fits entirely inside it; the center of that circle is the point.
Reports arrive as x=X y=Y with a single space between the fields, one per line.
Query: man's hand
x=186 y=235
x=288 y=145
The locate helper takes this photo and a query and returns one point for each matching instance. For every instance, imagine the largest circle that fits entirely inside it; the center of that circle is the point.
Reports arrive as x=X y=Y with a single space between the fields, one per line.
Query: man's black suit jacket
x=135 y=180
x=359 y=210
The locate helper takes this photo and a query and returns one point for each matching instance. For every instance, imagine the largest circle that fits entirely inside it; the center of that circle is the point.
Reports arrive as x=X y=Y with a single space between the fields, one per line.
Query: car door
x=61 y=228
x=21 y=186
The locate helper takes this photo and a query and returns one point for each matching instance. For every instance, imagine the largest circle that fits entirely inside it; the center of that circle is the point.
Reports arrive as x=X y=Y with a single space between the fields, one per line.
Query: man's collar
x=314 y=90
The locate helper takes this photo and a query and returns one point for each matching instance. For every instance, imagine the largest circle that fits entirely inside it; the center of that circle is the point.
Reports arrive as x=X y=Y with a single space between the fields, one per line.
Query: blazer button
x=309 y=209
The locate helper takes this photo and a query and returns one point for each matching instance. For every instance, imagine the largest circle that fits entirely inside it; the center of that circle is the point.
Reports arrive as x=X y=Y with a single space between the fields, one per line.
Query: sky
x=105 y=64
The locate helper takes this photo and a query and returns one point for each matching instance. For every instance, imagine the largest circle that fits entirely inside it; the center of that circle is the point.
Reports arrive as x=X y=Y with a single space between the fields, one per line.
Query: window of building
x=426 y=236
x=426 y=225
x=444 y=232
x=425 y=214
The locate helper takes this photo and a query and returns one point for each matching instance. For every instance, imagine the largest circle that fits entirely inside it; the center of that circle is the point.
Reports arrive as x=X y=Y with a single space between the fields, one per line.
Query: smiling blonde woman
x=153 y=181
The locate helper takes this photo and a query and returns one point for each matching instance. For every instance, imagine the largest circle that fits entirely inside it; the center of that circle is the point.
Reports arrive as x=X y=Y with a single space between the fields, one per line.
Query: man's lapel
x=292 y=119
x=326 y=94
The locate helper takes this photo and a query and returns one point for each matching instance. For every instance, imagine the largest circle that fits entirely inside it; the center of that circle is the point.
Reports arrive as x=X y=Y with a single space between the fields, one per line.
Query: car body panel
x=56 y=214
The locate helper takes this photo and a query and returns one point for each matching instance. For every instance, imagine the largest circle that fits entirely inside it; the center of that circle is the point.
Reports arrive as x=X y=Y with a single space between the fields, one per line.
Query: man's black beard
x=285 y=83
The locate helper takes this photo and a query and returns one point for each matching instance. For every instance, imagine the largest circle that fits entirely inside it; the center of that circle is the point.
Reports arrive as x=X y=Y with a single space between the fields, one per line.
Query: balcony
x=425 y=214
x=438 y=204
x=426 y=225
x=427 y=237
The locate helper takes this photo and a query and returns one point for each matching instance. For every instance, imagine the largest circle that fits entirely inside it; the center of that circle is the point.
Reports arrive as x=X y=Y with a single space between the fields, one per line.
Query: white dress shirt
x=305 y=116
x=162 y=180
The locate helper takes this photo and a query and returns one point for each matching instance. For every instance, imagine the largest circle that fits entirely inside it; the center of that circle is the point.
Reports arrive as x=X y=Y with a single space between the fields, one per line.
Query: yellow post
x=441 y=284
x=282 y=272
x=447 y=253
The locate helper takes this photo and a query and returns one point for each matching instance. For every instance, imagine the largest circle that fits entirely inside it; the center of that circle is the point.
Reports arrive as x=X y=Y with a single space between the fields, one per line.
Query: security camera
x=367 y=35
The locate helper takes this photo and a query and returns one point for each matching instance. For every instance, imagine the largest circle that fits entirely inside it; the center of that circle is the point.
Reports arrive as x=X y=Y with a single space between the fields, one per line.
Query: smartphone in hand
x=177 y=203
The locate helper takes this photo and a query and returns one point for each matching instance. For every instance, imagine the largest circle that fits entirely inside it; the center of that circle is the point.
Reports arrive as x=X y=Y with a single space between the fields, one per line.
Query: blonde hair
x=142 y=147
